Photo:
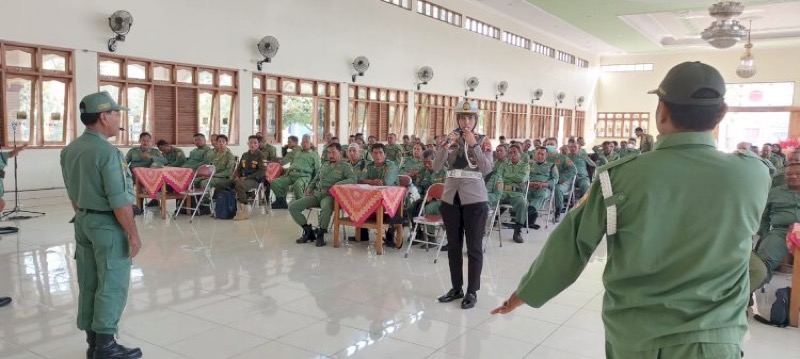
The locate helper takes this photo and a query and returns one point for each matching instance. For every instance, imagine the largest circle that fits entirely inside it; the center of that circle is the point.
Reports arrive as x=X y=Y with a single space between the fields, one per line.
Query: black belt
x=87 y=210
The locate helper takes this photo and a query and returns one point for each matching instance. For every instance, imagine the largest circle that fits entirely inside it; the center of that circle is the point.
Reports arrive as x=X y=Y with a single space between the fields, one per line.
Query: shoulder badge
x=616 y=163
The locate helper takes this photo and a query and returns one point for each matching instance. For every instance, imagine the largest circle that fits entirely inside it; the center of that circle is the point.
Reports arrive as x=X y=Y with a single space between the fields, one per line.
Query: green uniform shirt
x=224 y=163
x=394 y=153
x=566 y=169
x=580 y=165
x=270 y=152
x=96 y=175
x=677 y=265
x=252 y=166
x=425 y=178
x=544 y=172
x=412 y=164
x=135 y=158
x=386 y=173
x=175 y=158
x=781 y=210
x=302 y=162
x=332 y=174
x=408 y=150
x=604 y=159
x=776 y=162
x=646 y=143
x=198 y=157
x=514 y=176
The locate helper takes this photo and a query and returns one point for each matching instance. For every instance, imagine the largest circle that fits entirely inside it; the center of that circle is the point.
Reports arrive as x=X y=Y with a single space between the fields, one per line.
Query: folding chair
x=435 y=191
x=571 y=194
x=206 y=172
x=405 y=181
x=492 y=219
x=548 y=212
x=506 y=209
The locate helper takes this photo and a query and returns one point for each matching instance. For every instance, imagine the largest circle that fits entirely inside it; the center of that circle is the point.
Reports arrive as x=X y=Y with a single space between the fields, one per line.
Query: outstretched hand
x=509 y=305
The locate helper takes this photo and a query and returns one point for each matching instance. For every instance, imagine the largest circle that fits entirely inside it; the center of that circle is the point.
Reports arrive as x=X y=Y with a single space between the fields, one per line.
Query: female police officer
x=464 y=203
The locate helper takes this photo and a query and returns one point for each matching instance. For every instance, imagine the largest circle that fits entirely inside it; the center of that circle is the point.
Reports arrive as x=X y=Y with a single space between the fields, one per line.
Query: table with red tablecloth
x=152 y=183
x=361 y=202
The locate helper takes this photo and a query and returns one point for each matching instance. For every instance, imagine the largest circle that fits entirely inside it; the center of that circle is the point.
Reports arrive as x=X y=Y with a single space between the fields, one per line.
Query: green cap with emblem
x=465 y=107
x=99 y=102
x=684 y=82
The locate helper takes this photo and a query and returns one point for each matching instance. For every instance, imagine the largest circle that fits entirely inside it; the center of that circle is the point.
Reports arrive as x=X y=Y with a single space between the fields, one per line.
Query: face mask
x=550 y=148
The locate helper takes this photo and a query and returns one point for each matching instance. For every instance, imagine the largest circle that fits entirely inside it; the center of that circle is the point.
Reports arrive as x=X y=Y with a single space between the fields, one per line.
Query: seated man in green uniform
x=381 y=172
x=566 y=172
x=144 y=155
x=583 y=181
x=394 y=152
x=408 y=146
x=174 y=155
x=100 y=188
x=269 y=151
x=291 y=145
x=779 y=178
x=776 y=161
x=500 y=156
x=514 y=176
x=779 y=215
x=224 y=163
x=425 y=178
x=304 y=163
x=248 y=175
x=334 y=172
x=412 y=166
x=544 y=177
x=200 y=155
x=607 y=155
x=676 y=272
x=355 y=158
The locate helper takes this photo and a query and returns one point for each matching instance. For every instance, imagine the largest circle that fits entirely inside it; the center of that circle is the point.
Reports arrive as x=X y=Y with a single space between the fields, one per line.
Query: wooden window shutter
x=164 y=112
x=383 y=122
x=2 y=115
x=187 y=115
x=373 y=119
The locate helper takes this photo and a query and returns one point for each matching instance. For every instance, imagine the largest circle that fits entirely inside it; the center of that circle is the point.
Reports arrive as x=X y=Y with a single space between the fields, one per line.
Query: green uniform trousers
x=583 y=184
x=297 y=182
x=538 y=197
x=767 y=257
x=561 y=190
x=494 y=197
x=241 y=189
x=757 y=272
x=104 y=271
x=216 y=183
x=519 y=205
x=324 y=201
x=683 y=351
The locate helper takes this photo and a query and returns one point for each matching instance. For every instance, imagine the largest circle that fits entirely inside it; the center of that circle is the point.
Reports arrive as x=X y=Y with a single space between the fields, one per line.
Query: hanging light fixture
x=725 y=31
x=747 y=65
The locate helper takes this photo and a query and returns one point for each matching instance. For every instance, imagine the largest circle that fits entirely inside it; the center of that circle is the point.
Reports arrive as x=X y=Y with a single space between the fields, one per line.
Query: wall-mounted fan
x=579 y=101
x=120 y=23
x=537 y=95
x=268 y=47
x=360 y=64
x=560 y=97
x=424 y=74
x=502 y=86
x=472 y=83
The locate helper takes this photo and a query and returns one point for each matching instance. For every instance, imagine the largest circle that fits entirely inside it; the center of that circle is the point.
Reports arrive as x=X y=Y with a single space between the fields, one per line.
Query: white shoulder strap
x=611 y=211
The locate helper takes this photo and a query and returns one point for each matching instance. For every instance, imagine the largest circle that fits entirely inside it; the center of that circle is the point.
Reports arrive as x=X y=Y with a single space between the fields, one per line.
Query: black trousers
x=465 y=222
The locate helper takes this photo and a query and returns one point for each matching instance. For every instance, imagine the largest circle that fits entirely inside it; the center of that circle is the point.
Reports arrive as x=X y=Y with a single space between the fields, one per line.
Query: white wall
x=318 y=39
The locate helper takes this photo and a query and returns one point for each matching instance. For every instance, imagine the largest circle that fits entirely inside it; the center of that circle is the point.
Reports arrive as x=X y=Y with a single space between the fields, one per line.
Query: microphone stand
x=13 y=214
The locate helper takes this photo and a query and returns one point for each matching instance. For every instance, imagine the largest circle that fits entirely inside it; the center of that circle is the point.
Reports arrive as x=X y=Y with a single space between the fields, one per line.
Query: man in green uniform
x=766 y=154
x=381 y=172
x=224 y=163
x=200 y=155
x=144 y=155
x=355 y=159
x=566 y=172
x=645 y=141
x=779 y=178
x=394 y=152
x=412 y=166
x=248 y=175
x=174 y=155
x=269 y=151
x=304 y=163
x=583 y=180
x=514 y=176
x=607 y=155
x=291 y=145
x=408 y=146
x=544 y=177
x=500 y=156
x=318 y=194
x=678 y=288
x=99 y=185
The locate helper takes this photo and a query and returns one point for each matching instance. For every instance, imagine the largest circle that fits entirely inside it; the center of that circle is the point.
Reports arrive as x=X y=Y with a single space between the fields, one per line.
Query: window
x=371 y=114
x=566 y=126
x=565 y=57
x=435 y=115
x=482 y=28
x=37 y=95
x=543 y=49
x=541 y=118
x=582 y=63
x=172 y=108
x=620 y=124
x=406 y=4
x=627 y=68
x=760 y=94
x=285 y=106
x=516 y=40
x=512 y=120
x=439 y=13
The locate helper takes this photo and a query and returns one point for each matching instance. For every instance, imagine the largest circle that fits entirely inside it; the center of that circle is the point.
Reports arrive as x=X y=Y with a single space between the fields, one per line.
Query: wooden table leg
x=335 y=224
x=163 y=201
x=398 y=238
x=137 y=188
x=379 y=235
x=794 y=301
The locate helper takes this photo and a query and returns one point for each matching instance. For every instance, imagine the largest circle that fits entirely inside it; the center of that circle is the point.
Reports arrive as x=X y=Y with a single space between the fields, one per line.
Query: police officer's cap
x=100 y=102
x=466 y=107
x=685 y=81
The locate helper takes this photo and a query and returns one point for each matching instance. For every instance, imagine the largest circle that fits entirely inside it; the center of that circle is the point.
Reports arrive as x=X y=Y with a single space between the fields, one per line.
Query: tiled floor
x=224 y=289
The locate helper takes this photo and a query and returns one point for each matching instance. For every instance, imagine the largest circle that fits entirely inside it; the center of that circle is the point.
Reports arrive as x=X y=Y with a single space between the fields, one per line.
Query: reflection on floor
x=222 y=289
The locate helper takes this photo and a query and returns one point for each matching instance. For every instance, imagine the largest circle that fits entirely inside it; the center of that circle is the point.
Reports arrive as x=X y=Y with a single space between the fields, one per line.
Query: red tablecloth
x=152 y=179
x=274 y=170
x=360 y=201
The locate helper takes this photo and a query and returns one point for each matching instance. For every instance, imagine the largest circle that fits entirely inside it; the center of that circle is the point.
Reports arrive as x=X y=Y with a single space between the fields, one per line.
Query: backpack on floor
x=779 y=313
x=224 y=204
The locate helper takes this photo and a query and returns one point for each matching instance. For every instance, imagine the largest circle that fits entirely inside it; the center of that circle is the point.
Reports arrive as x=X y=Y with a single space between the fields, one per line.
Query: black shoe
x=280 y=203
x=152 y=203
x=91 y=338
x=535 y=226
x=4 y=301
x=320 y=237
x=556 y=215
x=518 y=236
x=451 y=295
x=137 y=211
x=107 y=348
x=307 y=236
x=388 y=241
x=469 y=300
x=446 y=247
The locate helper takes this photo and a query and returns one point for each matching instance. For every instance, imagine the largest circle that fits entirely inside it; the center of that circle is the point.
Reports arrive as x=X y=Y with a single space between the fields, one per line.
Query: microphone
x=122 y=129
